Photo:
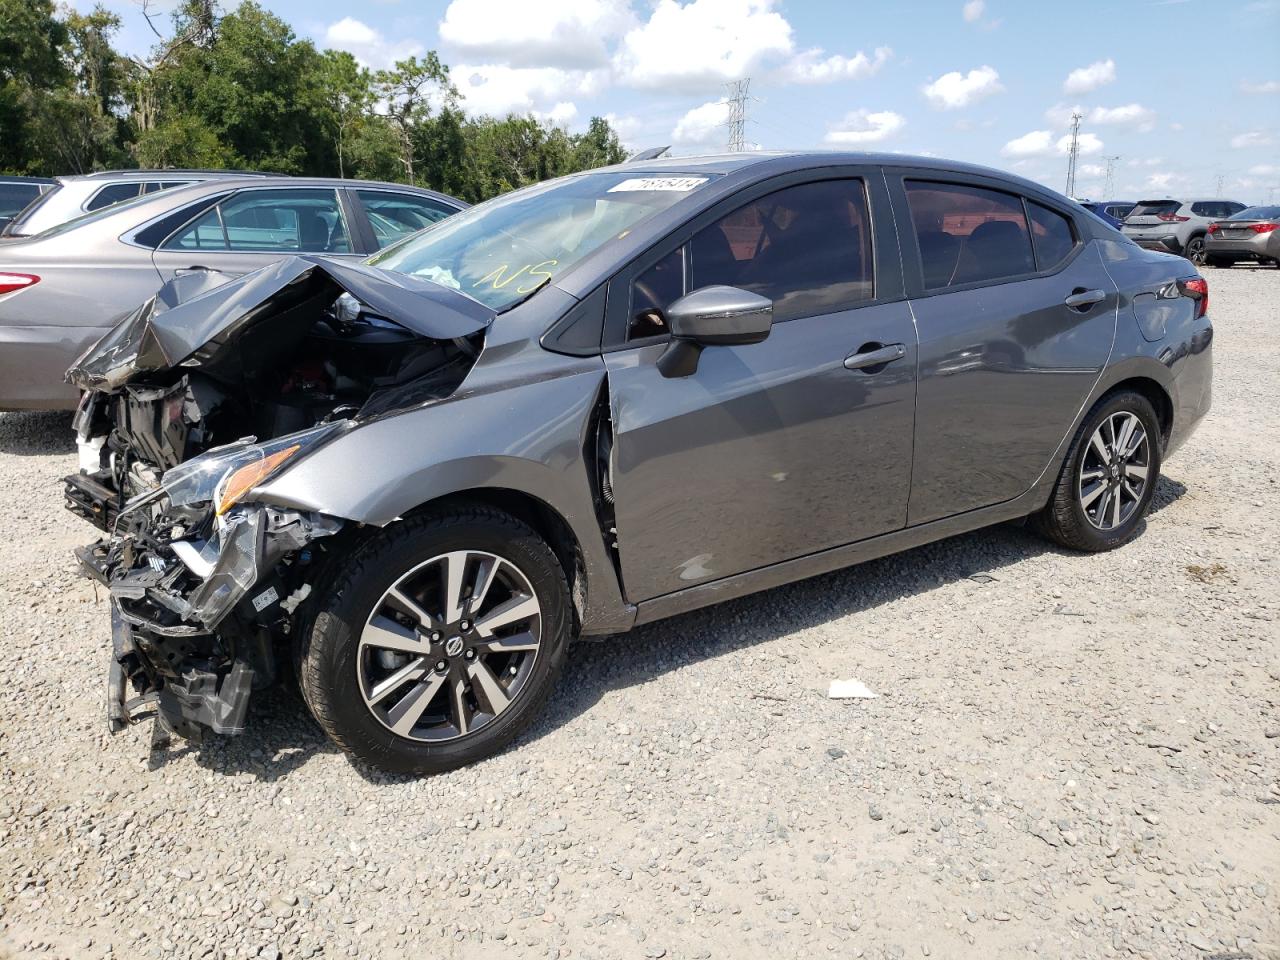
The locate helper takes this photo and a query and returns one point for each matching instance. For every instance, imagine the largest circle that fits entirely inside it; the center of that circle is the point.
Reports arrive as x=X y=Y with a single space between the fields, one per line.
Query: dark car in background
x=17 y=193
x=1112 y=211
x=63 y=289
x=1176 y=226
x=598 y=402
x=1253 y=234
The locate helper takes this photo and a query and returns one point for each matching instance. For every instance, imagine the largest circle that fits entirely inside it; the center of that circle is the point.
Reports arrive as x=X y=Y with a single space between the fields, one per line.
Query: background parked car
x=62 y=290
x=1251 y=234
x=17 y=192
x=1112 y=211
x=1176 y=226
x=74 y=196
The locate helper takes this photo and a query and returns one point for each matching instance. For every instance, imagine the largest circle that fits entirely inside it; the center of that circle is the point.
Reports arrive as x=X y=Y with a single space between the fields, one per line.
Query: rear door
x=774 y=450
x=256 y=226
x=1016 y=317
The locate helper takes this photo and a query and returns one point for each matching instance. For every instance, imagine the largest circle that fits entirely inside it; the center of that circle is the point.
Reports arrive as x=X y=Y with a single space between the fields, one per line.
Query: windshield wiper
x=517 y=303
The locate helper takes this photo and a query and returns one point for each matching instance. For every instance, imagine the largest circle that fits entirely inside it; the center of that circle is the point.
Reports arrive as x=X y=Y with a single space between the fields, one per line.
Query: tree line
x=240 y=90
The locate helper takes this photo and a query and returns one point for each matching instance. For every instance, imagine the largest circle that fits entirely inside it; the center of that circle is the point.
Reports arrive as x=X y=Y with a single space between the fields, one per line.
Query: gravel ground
x=1070 y=756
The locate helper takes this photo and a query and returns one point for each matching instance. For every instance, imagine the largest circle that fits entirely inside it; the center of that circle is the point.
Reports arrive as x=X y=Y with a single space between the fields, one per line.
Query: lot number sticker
x=677 y=184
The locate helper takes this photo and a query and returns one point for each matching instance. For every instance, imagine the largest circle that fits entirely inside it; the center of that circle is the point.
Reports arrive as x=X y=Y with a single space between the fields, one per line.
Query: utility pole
x=1073 y=154
x=1108 y=191
x=737 y=122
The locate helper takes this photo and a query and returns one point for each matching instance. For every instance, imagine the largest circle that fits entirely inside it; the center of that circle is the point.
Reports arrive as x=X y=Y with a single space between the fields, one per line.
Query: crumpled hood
x=195 y=316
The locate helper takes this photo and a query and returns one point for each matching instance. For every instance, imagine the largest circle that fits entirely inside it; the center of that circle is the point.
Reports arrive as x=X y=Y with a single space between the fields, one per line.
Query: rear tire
x=1194 y=249
x=417 y=666
x=1109 y=477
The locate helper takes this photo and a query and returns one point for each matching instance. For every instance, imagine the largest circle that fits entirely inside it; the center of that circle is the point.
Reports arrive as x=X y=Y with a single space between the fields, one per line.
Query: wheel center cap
x=453 y=646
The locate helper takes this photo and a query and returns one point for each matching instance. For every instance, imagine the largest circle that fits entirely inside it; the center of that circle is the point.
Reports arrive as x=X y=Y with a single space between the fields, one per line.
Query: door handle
x=1085 y=298
x=194 y=268
x=876 y=357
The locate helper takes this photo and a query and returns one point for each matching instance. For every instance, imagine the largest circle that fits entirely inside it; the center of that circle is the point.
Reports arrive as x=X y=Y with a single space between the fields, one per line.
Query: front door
x=779 y=449
x=255 y=227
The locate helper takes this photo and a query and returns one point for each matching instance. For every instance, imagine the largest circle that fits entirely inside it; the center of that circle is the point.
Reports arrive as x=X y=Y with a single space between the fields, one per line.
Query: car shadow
x=36 y=434
x=281 y=735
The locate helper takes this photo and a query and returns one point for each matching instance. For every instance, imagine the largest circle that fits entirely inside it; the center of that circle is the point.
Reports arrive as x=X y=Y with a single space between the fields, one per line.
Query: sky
x=1178 y=97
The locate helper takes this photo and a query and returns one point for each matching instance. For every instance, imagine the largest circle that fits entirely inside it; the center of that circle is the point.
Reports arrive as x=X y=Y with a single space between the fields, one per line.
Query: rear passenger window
x=968 y=234
x=1052 y=236
x=807 y=248
x=112 y=194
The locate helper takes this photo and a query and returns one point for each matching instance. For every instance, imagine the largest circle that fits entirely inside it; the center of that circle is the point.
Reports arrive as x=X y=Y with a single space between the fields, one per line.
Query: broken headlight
x=226 y=475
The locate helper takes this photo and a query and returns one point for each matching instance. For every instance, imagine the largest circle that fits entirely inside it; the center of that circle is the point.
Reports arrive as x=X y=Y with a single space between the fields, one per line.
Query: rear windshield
x=502 y=251
x=32 y=207
x=1257 y=213
x=15 y=196
x=1153 y=208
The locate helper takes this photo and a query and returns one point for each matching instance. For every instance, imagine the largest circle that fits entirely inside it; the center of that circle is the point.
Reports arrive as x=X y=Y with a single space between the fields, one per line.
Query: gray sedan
x=1252 y=235
x=63 y=289
x=598 y=402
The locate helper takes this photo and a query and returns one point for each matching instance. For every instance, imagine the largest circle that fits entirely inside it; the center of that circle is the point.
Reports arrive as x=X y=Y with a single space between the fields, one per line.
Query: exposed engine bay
x=194 y=399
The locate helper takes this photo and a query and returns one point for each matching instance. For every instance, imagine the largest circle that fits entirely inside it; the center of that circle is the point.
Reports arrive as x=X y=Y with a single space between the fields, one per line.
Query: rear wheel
x=1194 y=250
x=440 y=641
x=1109 y=477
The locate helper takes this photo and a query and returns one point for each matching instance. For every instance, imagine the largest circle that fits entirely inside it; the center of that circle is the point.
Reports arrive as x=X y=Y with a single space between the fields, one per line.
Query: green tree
x=410 y=93
x=31 y=68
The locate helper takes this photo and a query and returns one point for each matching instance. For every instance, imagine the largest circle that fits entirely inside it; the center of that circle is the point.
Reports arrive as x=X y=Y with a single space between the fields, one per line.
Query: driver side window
x=652 y=292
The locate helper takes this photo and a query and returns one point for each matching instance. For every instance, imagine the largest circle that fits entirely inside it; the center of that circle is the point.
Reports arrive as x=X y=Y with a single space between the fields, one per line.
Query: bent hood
x=195 y=317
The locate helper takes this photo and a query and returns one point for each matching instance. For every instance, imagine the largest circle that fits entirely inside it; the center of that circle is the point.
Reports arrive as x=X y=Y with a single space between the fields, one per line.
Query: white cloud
x=686 y=48
x=811 y=67
x=1265 y=170
x=1092 y=170
x=1131 y=115
x=367 y=45
x=973 y=11
x=1034 y=144
x=1254 y=138
x=568 y=33
x=497 y=90
x=1266 y=86
x=953 y=90
x=1164 y=180
x=1040 y=143
x=1095 y=75
x=1086 y=144
x=865 y=126
x=1060 y=114
x=626 y=126
x=560 y=115
x=703 y=125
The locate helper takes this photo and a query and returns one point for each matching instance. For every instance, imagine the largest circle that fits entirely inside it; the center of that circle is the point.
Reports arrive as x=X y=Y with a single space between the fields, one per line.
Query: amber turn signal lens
x=250 y=475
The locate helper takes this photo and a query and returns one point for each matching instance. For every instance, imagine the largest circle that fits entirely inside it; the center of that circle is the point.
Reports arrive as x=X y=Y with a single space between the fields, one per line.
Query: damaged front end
x=191 y=403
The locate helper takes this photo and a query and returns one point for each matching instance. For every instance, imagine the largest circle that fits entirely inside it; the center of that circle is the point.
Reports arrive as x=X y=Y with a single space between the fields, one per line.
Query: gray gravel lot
x=1072 y=756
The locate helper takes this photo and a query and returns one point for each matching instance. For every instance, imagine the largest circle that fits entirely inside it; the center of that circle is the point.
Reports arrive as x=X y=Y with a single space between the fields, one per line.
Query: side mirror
x=712 y=317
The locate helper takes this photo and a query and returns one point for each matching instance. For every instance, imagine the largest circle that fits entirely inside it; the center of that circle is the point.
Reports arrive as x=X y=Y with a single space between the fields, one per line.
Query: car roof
x=135 y=174
x=15 y=178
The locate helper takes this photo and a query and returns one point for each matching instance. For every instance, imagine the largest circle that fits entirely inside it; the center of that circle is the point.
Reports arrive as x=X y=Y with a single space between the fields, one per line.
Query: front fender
x=527 y=436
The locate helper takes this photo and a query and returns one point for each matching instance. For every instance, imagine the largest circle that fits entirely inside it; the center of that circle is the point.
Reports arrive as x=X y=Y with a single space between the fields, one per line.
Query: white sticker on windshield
x=678 y=184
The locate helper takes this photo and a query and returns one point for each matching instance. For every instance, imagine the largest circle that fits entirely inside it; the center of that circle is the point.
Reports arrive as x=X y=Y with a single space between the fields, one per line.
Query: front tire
x=439 y=642
x=1109 y=478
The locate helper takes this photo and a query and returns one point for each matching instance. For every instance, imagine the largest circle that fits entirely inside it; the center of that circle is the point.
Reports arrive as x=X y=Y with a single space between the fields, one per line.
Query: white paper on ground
x=850 y=690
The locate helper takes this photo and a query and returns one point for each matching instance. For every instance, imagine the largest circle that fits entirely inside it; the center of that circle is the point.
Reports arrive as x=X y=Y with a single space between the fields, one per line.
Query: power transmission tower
x=1221 y=180
x=737 y=99
x=1073 y=154
x=1108 y=191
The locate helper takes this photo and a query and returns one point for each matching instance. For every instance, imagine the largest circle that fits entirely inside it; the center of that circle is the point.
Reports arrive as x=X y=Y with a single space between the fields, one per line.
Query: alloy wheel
x=1114 y=471
x=449 y=646
x=1195 y=250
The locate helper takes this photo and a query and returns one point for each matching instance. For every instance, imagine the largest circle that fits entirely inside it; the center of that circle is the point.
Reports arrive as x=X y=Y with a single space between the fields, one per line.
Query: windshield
x=1256 y=213
x=1149 y=208
x=502 y=251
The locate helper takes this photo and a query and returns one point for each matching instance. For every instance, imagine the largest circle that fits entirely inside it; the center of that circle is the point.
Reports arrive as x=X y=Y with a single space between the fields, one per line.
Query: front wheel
x=1109 y=477
x=439 y=642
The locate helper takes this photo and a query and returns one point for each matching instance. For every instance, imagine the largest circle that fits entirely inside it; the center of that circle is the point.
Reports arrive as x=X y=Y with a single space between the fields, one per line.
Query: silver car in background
x=1252 y=234
x=63 y=289
x=1176 y=226
x=74 y=196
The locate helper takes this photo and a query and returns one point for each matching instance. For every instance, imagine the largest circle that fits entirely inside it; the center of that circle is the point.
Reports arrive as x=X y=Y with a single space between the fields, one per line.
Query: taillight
x=1264 y=227
x=10 y=282
x=1197 y=288
x=1214 y=228
x=1172 y=218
